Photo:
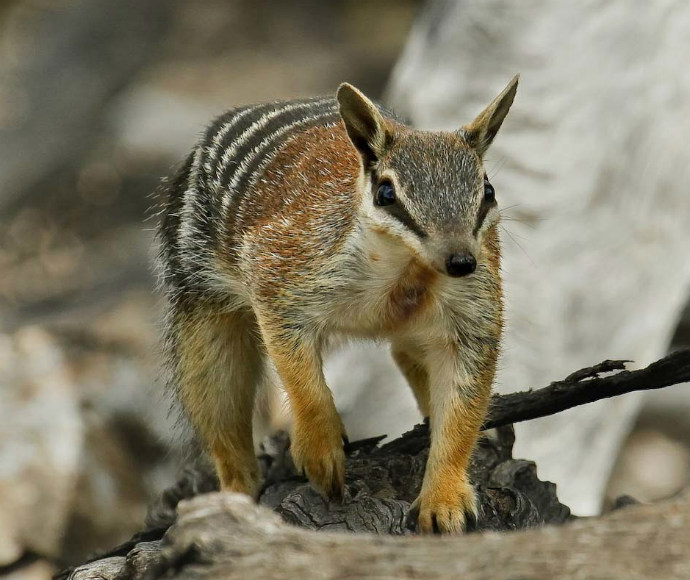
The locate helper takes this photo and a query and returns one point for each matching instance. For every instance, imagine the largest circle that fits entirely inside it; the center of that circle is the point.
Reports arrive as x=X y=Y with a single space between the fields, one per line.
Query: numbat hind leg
x=220 y=363
x=416 y=375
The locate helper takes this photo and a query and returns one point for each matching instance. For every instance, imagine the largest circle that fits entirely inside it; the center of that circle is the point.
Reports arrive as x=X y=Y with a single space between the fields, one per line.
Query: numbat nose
x=460 y=264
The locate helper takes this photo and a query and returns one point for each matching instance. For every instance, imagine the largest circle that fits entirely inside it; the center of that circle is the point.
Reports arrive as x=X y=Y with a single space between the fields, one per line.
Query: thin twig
x=585 y=386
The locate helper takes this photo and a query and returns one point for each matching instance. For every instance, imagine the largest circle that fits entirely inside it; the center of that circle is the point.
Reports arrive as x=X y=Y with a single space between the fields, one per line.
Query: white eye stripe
x=491 y=217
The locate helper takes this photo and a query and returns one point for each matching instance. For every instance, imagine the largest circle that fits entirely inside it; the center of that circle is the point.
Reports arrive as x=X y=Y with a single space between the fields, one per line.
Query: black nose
x=460 y=264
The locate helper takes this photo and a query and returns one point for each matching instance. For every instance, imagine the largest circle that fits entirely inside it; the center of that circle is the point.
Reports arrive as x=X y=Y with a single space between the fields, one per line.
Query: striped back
x=226 y=161
x=246 y=143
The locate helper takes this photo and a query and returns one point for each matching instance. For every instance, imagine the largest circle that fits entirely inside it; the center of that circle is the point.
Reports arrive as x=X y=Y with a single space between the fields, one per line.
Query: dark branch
x=382 y=481
x=585 y=386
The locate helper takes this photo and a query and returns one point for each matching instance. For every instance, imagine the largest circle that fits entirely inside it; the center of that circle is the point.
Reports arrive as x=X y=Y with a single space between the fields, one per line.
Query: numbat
x=294 y=222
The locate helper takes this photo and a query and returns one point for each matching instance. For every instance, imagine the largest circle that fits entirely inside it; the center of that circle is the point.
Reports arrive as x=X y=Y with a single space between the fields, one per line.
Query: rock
x=35 y=569
x=651 y=467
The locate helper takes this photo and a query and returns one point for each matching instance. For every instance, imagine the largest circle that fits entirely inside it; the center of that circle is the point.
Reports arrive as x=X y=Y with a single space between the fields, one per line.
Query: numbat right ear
x=481 y=132
x=365 y=125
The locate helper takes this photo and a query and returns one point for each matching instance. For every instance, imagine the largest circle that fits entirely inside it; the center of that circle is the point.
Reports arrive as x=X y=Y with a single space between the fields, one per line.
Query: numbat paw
x=319 y=454
x=236 y=473
x=441 y=512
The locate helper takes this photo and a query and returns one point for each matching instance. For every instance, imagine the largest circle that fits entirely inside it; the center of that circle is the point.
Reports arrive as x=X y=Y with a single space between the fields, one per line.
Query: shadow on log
x=222 y=535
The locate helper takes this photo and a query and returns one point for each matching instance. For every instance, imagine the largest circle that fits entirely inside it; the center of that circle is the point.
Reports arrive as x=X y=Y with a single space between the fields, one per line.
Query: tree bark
x=229 y=536
x=586 y=386
x=219 y=535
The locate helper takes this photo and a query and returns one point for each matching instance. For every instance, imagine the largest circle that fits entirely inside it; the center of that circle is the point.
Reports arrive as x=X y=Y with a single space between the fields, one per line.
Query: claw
x=412 y=516
x=444 y=513
x=317 y=448
x=470 y=521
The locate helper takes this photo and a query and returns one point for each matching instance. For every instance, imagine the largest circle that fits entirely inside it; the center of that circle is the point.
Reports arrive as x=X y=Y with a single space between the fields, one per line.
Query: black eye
x=385 y=195
x=489 y=191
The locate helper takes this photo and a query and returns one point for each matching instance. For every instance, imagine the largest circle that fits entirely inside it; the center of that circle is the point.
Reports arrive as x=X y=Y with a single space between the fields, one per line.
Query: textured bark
x=229 y=536
x=217 y=535
x=382 y=482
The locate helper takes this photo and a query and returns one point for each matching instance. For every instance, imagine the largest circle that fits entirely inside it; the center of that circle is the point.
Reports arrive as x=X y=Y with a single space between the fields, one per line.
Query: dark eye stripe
x=398 y=211
x=485 y=206
x=484 y=209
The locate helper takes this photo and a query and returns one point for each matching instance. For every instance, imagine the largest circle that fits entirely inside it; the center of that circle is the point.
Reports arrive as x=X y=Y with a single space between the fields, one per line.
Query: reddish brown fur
x=301 y=168
x=410 y=295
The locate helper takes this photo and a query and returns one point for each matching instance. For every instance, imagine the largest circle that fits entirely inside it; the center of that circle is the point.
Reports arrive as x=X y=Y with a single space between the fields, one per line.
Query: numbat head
x=295 y=221
x=427 y=189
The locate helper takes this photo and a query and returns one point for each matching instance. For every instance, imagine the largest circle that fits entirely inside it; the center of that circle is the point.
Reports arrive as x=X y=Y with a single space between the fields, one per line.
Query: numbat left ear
x=365 y=125
x=481 y=132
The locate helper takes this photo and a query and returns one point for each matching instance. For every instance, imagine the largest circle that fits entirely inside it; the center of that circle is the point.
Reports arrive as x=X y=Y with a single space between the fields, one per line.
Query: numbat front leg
x=318 y=433
x=459 y=396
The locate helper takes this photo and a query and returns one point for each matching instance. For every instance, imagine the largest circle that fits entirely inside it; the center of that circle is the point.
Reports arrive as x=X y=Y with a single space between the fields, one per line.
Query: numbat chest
x=409 y=296
x=405 y=300
x=291 y=221
x=390 y=297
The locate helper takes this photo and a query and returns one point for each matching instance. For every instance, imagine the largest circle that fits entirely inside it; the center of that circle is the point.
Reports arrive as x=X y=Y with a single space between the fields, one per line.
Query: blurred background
x=100 y=99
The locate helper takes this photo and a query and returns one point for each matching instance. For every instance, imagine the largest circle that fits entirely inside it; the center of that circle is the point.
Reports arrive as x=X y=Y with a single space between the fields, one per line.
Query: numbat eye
x=385 y=195
x=489 y=191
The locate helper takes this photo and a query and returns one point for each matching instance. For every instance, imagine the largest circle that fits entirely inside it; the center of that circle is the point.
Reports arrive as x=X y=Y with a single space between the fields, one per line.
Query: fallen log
x=228 y=536
x=202 y=539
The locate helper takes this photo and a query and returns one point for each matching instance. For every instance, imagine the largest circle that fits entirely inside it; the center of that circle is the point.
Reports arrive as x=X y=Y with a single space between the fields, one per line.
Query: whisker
x=523 y=221
x=495 y=170
x=529 y=221
x=518 y=236
x=518 y=245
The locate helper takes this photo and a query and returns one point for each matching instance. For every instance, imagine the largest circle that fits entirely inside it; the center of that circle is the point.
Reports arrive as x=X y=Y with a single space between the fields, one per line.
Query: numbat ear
x=365 y=125
x=481 y=132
